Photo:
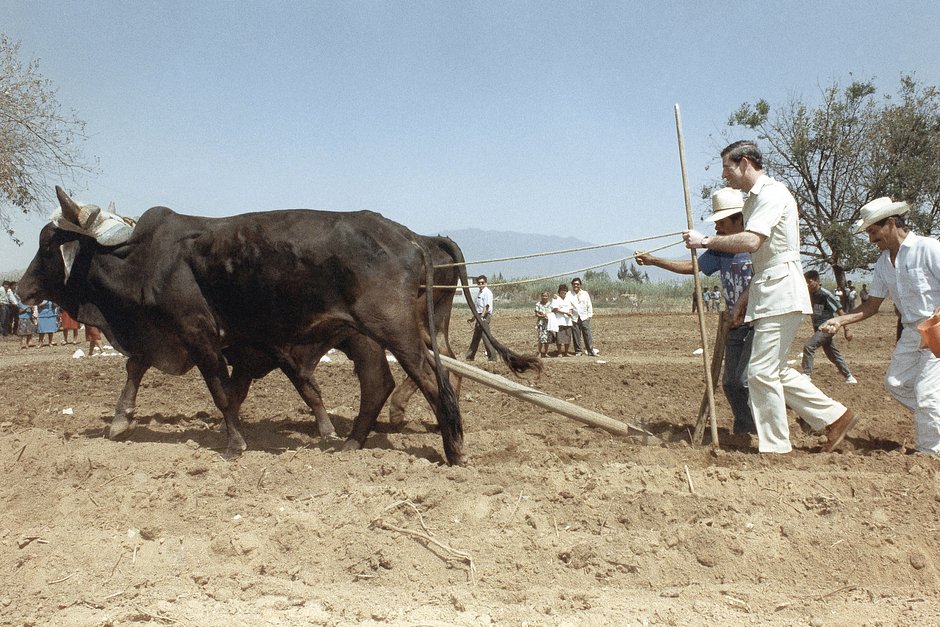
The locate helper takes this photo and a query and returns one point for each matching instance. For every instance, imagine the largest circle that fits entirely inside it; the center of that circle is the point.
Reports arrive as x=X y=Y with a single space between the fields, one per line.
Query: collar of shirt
x=759 y=184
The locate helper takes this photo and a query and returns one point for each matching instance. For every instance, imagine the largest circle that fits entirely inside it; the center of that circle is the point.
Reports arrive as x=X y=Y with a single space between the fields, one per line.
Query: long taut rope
x=569 y=273
x=562 y=252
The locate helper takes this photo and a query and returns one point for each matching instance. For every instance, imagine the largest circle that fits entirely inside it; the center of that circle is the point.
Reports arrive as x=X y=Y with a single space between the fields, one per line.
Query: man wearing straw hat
x=778 y=300
x=735 y=272
x=908 y=270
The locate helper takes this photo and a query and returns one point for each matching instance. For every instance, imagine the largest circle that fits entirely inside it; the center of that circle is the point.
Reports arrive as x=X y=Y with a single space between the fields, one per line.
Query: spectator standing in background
x=863 y=294
x=5 y=311
x=543 y=316
x=851 y=297
x=13 y=301
x=47 y=322
x=68 y=323
x=484 y=307
x=715 y=301
x=582 y=310
x=561 y=308
x=25 y=324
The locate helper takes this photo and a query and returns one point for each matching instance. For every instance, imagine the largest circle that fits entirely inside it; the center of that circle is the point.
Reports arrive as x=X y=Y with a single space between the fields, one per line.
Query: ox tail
x=447 y=410
x=516 y=362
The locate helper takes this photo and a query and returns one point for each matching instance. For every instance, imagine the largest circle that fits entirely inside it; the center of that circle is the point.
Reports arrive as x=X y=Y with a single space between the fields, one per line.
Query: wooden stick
x=688 y=477
x=540 y=398
x=724 y=325
x=66 y=578
x=709 y=388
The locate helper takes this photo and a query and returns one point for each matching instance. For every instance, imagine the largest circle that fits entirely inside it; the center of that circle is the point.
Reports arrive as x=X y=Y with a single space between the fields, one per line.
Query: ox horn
x=70 y=209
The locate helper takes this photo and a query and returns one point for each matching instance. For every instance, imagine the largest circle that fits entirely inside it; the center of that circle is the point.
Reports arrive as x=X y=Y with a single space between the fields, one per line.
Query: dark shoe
x=835 y=432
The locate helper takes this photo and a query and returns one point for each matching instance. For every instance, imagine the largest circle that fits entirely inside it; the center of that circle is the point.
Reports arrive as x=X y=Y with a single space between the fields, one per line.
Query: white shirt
x=913 y=281
x=484 y=298
x=582 y=308
x=4 y=299
x=564 y=306
x=778 y=286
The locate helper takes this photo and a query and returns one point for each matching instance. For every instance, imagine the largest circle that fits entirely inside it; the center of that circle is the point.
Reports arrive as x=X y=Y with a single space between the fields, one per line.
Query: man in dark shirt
x=825 y=306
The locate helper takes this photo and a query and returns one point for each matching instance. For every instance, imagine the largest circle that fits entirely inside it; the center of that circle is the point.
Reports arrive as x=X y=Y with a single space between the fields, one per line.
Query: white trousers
x=913 y=378
x=774 y=386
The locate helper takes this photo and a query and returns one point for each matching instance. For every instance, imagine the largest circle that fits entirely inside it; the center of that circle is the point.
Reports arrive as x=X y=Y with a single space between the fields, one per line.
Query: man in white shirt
x=777 y=302
x=4 y=310
x=484 y=307
x=582 y=310
x=908 y=270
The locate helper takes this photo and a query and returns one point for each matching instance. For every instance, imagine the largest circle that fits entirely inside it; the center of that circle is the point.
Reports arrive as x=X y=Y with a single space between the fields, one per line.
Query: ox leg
x=308 y=389
x=227 y=399
x=123 y=422
x=375 y=384
x=406 y=389
x=439 y=393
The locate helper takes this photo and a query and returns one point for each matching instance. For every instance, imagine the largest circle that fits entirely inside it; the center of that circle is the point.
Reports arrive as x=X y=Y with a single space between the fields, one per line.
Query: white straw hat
x=879 y=209
x=725 y=202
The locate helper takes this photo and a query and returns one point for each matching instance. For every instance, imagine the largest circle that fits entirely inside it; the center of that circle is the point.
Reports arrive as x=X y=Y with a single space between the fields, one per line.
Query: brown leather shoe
x=835 y=432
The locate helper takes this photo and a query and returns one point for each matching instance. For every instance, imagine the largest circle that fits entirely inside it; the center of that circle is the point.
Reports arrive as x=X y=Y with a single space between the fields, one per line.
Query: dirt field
x=550 y=521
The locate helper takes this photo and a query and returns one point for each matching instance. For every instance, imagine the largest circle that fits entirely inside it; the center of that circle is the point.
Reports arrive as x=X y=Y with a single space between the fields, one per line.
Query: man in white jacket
x=582 y=310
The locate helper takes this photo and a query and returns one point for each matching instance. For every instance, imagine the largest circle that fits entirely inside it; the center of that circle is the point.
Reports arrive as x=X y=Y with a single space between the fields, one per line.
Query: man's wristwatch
x=705 y=241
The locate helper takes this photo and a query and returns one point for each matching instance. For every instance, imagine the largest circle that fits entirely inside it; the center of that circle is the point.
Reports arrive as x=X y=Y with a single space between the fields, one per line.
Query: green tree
x=622 y=272
x=850 y=148
x=38 y=140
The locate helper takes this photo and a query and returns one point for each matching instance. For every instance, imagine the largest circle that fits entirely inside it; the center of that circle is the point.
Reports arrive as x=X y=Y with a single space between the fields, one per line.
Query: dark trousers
x=734 y=378
x=475 y=341
x=827 y=341
x=582 y=328
x=5 y=320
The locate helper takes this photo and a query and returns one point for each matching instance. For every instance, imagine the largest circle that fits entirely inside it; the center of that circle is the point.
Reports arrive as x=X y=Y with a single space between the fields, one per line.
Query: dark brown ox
x=183 y=289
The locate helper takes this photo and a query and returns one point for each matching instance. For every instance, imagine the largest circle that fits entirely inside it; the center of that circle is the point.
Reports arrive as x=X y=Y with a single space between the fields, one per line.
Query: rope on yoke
x=562 y=252
x=569 y=273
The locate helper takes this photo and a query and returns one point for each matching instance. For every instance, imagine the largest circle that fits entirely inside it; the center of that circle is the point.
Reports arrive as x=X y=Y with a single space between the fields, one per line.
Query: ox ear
x=70 y=209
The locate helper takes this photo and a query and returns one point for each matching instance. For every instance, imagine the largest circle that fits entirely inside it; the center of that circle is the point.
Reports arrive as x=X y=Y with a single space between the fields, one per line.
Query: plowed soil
x=549 y=522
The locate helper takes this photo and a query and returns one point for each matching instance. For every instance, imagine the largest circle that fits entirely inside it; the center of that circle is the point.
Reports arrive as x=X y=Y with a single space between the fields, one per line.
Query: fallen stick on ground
x=426 y=536
x=540 y=398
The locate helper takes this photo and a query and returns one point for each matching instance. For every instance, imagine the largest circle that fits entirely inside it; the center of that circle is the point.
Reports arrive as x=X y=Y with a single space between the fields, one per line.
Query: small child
x=543 y=319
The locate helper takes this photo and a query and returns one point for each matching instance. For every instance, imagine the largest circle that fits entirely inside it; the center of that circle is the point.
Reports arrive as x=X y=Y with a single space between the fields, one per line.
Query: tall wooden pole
x=706 y=362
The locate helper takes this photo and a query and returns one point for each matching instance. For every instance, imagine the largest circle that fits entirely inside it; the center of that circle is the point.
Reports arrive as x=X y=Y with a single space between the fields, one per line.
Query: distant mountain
x=478 y=244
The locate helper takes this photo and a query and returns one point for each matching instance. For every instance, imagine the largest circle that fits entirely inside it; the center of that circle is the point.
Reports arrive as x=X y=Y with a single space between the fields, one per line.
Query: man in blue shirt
x=825 y=306
x=735 y=272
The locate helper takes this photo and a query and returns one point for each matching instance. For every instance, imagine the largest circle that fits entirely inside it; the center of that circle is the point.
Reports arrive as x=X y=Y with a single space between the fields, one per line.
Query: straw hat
x=725 y=202
x=879 y=209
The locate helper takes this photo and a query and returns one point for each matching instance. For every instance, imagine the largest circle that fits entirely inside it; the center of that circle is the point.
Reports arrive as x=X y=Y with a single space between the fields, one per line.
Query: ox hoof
x=396 y=417
x=331 y=437
x=121 y=429
x=231 y=454
x=351 y=445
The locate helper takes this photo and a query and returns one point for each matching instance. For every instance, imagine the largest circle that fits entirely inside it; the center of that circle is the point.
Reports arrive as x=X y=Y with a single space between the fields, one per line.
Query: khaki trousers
x=774 y=386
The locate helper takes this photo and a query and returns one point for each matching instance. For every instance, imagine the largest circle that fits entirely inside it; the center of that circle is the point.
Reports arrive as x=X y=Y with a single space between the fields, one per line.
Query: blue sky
x=544 y=117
